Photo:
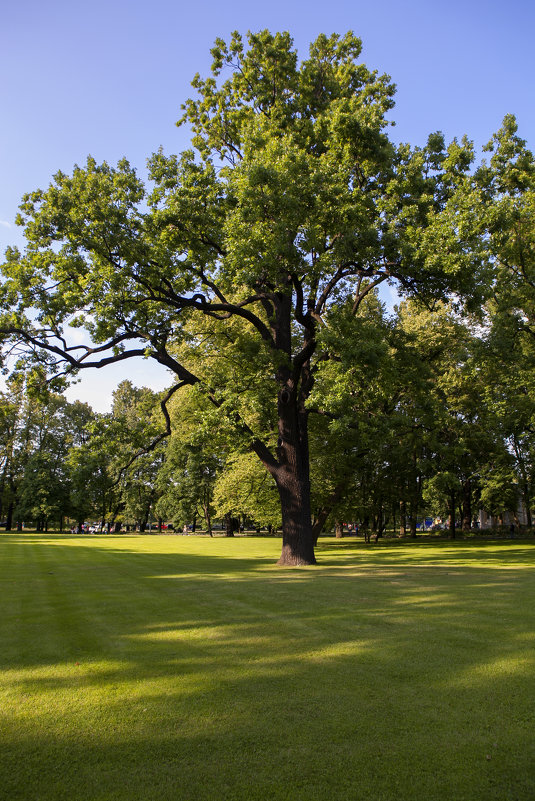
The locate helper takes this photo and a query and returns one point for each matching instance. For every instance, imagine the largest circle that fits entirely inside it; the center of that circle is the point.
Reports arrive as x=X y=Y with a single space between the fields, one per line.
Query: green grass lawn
x=184 y=668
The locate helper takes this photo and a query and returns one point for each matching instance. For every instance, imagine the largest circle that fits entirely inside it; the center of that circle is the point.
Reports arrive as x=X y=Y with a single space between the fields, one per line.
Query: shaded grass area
x=186 y=668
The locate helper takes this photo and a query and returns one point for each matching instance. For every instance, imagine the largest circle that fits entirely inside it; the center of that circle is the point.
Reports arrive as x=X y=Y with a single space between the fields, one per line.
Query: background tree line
x=426 y=412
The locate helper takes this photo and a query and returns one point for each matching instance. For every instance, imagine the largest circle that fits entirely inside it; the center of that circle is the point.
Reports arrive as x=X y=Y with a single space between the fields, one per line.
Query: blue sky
x=107 y=78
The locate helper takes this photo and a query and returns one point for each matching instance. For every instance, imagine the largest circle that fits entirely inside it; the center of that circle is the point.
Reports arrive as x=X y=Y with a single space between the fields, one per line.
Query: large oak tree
x=292 y=202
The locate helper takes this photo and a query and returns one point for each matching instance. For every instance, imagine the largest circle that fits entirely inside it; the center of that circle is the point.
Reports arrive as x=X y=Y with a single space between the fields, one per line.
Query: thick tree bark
x=292 y=477
x=293 y=483
x=297 y=537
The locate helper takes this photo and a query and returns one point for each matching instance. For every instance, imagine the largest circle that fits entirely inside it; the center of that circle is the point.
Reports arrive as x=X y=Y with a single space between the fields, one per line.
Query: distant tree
x=38 y=432
x=90 y=478
x=507 y=184
x=244 y=490
x=12 y=452
x=134 y=452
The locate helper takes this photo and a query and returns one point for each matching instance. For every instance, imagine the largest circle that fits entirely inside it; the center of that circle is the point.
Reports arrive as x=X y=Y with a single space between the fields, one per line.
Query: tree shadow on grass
x=186 y=676
x=471 y=554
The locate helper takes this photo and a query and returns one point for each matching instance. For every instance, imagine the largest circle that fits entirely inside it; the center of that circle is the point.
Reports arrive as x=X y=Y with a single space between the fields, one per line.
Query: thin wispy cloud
x=5 y=223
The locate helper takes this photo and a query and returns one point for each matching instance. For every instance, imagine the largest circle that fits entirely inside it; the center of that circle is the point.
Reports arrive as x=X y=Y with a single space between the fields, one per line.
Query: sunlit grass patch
x=187 y=668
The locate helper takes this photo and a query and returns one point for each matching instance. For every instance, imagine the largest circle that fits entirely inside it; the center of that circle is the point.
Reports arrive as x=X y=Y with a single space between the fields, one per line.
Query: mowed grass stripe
x=205 y=671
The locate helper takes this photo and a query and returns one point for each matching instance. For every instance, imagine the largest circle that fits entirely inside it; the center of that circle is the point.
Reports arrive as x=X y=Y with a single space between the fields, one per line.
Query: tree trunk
x=293 y=484
x=467 y=505
x=326 y=509
x=293 y=478
x=380 y=521
x=145 y=521
x=452 y=514
x=526 y=500
x=527 y=504
x=413 y=514
x=339 y=530
x=317 y=526
x=414 y=495
x=208 y=519
x=229 y=525
x=9 y=518
x=402 y=518
x=291 y=468
x=297 y=537
x=526 y=491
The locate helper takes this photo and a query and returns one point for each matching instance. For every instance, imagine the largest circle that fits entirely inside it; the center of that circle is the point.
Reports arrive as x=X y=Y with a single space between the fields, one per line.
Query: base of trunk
x=291 y=558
